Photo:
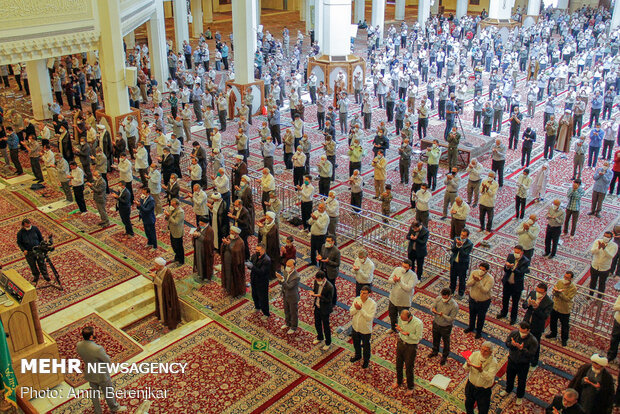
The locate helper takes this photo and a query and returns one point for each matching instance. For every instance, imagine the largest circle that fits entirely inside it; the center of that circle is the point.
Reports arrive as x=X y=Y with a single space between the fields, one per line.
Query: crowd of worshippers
x=570 y=62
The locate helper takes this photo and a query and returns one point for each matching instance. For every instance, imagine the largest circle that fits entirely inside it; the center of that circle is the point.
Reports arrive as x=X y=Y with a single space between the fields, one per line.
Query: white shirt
x=332 y=207
x=124 y=169
x=363 y=318
x=461 y=211
x=422 y=198
x=267 y=183
x=319 y=226
x=486 y=377
x=77 y=177
x=601 y=258
x=142 y=160
x=488 y=195
x=222 y=184
x=527 y=238
x=307 y=191
x=402 y=291
x=366 y=270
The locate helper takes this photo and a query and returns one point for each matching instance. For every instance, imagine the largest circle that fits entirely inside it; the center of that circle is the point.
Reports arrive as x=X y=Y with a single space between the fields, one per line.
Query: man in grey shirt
x=499 y=159
x=445 y=310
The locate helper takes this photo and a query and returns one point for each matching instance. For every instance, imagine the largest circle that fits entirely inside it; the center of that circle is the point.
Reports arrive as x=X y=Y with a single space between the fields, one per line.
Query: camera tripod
x=51 y=284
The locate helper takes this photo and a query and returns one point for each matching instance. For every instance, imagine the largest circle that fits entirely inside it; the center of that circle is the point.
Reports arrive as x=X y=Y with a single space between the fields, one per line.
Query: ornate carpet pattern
x=117 y=345
x=146 y=330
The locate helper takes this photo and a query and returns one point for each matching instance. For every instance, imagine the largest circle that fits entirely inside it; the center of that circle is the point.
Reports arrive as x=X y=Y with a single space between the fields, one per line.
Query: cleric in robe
x=233 y=259
x=219 y=219
x=244 y=192
x=167 y=307
x=203 y=250
x=269 y=235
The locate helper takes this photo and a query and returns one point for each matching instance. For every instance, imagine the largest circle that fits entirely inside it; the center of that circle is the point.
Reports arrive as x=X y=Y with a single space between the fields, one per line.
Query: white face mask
x=607 y=239
x=445 y=300
x=539 y=295
x=517 y=256
x=555 y=207
x=597 y=371
x=289 y=269
x=329 y=244
x=523 y=335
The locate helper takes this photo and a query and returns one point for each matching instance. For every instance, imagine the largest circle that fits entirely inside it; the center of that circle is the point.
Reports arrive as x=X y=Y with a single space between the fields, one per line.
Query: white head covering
x=597 y=359
x=245 y=177
x=160 y=261
x=271 y=215
x=235 y=229
x=239 y=156
x=99 y=126
x=216 y=196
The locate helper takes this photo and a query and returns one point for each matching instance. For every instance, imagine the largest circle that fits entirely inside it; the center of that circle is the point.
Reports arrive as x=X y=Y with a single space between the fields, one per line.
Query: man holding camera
x=28 y=238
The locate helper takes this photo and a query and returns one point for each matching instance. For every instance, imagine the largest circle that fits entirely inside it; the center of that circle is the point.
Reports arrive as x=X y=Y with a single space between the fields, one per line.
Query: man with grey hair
x=565 y=403
x=481 y=367
x=410 y=331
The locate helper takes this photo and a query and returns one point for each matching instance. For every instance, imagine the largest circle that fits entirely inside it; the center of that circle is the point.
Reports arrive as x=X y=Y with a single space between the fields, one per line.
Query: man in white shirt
x=603 y=251
x=410 y=331
x=528 y=232
x=77 y=182
x=125 y=174
x=268 y=184
x=319 y=221
x=333 y=211
x=481 y=367
x=363 y=271
x=363 y=311
x=473 y=183
x=403 y=282
x=222 y=185
x=421 y=198
x=488 y=193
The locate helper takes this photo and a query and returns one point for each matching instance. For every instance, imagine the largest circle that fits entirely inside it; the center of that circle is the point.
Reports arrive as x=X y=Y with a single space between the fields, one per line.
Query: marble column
x=461 y=8
x=378 y=17
x=258 y=8
x=336 y=36
x=244 y=28
x=533 y=7
x=435 y=7
x=207 y=11
x=424 y=12
x=156 y=34
x=360 y=10
x=40 y=88
x=130 y=39
x=308 y=5
x=181 y=27
x=318 y=24
x=303 y=10
x=399 y=13
x=197 y=26
x=111 y=58
x=615 y=18
x=563 y=4
x=500 y=9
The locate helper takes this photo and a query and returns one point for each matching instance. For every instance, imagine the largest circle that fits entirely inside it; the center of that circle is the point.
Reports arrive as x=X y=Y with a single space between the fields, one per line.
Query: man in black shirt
x=29 y=237
x=565 y=403
x=529 y=137
x=521 y=346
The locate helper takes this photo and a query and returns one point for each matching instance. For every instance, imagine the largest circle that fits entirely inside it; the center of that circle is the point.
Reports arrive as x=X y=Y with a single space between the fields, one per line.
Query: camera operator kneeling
x=28 y=239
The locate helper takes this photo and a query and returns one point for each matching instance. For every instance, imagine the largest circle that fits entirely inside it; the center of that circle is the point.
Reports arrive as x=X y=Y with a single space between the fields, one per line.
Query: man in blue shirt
x=224 y=52
x=602 y=178
x=13 y=143
x=596 y=140
x=597 y=105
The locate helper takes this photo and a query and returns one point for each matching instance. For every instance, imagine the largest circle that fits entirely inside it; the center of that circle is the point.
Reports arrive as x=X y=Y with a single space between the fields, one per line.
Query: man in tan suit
x=176 y=217
x=100 y=382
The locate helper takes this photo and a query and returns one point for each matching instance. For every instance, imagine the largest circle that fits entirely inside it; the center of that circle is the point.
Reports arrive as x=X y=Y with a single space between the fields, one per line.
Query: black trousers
x=513 y=139
x=481 y=397
x=551 y=239
x=335 y=296
x=306 y=212
x=356 y=201
x=432 y=176
x=320 y=116
x=177 y=247
x=477 y=314
x=510 y=291
x=37 y=266
x=260 y=294
x=321 y=324
x=35 y=164
x=361 y=344
x=324 y=185
x=458 y=273
x=498 y=168
x=519 y=371
x=14 y=152
x=549 y=146
x=525 y=155
x=405 y=355
x=614 y=342
x=487 y=212
x=564 y=319
x=442 y=333
x=126 y=219
x=298 y=175
x=422 y=125
x=316 y=242
x=598 y=277
x=394 y=311
x=151 y=234
x=78 y=194
x=520 y=206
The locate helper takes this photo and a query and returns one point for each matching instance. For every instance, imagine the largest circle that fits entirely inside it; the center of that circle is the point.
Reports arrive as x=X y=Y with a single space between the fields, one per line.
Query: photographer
x=28 y=239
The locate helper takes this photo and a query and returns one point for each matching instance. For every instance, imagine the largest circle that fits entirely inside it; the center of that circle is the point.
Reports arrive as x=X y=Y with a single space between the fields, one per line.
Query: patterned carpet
x=117 y=345
x=146 y=330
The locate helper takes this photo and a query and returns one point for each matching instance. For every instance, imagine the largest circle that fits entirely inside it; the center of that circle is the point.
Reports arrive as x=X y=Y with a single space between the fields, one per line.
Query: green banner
x=8 y=375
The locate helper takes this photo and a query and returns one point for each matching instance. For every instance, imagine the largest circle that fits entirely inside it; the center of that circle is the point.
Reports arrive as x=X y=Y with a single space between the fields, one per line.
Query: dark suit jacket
x=521 y=268
x=327 y=294
x=173 y=191
x=261 y=269
x=123 y=204
x=167 y=164
x=147 y=210
x=420 y=242
x=557 y=403
x=463 y=252
x=537 y=317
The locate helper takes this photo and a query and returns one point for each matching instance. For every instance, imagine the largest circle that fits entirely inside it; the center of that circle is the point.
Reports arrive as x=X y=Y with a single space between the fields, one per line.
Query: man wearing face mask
x=555 y=218
x=565 y=403
x=289 y=280
x=481 y=367
x=363 y=310
x=538 y=307
x=322 y=293
x=260 y=269
x=332 y=206
x=379 y=163
x=445 y=310
x=521 y=347
x=403 y=282
x=474 y=169
x=325 y=174
x=418 y=176
x=410 y=331
x=452 y=186
x=528 y=232
x=595 y=386
x=233 y=263
x=146 y=209
x=603 y=251
x=306 y=191
x=515 y=268
x=524 y=181
x=329 y=260
x=432 y=155
x=29 y=237
x=416 y=249
x=459 y=262
x=564 y=292
x=529 y=137
x=488 y=193
x=498 y=161
x=602 y=178
x=299 y=162
x=318 y=221
x=363 y=271
x=480 y=283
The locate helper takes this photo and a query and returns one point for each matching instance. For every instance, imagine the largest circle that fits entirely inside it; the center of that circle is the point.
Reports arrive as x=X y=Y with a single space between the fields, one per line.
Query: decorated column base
x=328 y=68
x=256 y=89
x=112 y=124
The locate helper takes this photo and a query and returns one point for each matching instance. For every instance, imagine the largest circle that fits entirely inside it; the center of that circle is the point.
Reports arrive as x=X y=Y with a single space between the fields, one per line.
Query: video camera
x=45 y=246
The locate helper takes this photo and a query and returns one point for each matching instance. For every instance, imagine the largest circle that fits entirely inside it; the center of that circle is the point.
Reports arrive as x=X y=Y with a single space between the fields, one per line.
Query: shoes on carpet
x=443 y=360
x=316 y=341
x=355 y=358
x=409 y=392
x=564 y=343
x=365 y=364
x=519 y=401
x=478 y=335
x=433 y=354
x=290 y=332
x=513 y=322
x=550 y=335
x=283 y=327
x=326 y=347
x=500 y=316
x=503 y=393
x=468 y=330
